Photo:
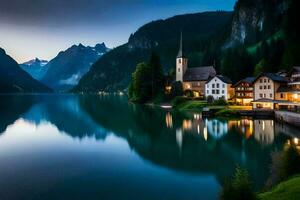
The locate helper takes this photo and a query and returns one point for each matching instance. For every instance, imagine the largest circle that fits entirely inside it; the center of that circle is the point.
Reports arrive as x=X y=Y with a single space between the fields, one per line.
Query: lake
x=102 y=147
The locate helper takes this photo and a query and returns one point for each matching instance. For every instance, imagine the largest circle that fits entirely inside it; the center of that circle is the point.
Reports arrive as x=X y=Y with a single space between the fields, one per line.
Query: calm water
x=92 y=147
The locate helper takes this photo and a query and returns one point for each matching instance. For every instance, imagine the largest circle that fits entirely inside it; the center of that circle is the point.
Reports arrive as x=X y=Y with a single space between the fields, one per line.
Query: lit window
x=281 y=95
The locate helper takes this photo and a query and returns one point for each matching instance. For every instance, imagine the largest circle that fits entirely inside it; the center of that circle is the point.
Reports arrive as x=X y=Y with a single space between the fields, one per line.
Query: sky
x=43 y=28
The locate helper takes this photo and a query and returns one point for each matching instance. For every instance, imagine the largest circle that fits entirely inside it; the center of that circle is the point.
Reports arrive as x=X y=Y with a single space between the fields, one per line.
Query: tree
x=140 y=88
x=147 y=81
x=239 y=187
x=177 y=89
x=157 y=75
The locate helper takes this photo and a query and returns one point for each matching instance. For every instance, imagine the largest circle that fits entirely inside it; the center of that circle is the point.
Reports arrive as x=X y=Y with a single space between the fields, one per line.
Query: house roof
x=224 y=79
x=273 y=77
x=294 y=69
x=246 y=80
x=199 y=73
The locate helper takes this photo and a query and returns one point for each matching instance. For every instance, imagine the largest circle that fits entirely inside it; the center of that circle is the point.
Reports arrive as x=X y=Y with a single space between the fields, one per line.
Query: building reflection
x=243 y=126
x=169 y=120
x=216 y=128
x=264 y=131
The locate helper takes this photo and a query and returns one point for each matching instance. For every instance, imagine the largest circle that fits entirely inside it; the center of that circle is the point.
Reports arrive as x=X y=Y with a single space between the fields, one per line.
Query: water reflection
x=162 y=143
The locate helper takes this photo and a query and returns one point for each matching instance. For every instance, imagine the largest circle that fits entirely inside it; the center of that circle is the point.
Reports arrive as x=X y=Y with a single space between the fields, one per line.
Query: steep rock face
x=15 y=80
x=65 y=70
x=256 y=20
x=36 y=68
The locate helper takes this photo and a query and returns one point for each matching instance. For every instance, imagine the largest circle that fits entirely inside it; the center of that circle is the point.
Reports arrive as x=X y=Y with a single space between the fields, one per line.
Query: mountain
x=113 y=70
x=36 y=68
x=65 y=70
x=15 y=80
x=258 y=36
x=263 y=38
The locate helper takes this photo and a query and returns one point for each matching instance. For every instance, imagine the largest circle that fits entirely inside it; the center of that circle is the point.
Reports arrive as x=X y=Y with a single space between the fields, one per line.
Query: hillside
x=65 y=70
x=258 y=36
x=113 y=71
x=15 y=80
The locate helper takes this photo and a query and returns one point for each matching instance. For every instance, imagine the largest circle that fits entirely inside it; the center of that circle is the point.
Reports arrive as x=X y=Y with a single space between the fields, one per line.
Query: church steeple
x=181 y=52
x=181 y=62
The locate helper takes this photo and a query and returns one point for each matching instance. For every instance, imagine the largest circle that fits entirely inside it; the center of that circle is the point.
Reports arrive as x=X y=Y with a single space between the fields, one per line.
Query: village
x=268 y=94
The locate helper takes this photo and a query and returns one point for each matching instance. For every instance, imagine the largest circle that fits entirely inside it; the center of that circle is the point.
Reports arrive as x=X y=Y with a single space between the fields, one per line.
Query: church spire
x=181 y=52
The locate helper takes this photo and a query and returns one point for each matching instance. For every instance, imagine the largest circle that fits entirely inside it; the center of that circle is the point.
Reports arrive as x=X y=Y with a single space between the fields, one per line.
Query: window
x=260 y=87
x=265 y=87
x=179 y=61
x=218 y=91
x=271 y=95
x=261 y=95
x=269 y=86
x=265 y=80
x=281 y=95
x=213 y=91
x=223 y=92
x=213 y=85
x=268 y=80
x=218 y=85
x=260 y=81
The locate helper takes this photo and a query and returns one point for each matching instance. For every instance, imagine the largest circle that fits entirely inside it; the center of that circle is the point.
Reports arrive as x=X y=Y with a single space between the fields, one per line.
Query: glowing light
x=187 y=124
x=169 y=120
x=198 y=129
x=296 y=141
x=205 y=134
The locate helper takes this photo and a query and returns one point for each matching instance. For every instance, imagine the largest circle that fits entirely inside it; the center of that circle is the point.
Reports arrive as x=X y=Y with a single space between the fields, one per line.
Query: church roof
x=199 y=73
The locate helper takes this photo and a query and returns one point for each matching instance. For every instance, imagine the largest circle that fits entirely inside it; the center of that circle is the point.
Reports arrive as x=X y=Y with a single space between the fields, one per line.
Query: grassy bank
x=288 y=190
x=186 y=104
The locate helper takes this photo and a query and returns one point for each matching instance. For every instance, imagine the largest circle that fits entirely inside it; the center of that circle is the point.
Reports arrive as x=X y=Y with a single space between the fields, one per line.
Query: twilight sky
x=42 y=28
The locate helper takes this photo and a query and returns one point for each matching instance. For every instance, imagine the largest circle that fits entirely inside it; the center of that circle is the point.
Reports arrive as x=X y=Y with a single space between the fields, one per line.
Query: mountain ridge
x=13 y=79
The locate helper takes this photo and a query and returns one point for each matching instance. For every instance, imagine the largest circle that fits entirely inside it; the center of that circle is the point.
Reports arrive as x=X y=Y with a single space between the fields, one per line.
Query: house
x=266 y=91
x=192 y=79
x=291 y=91
x=244 y=91
x=219 y=87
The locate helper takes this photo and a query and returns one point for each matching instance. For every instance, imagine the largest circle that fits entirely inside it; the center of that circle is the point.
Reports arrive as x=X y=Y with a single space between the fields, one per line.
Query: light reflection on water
x=64 y=147
x=263 y=130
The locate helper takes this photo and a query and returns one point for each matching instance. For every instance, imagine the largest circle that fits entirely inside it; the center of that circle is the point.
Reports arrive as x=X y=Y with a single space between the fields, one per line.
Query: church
x=192 y=79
